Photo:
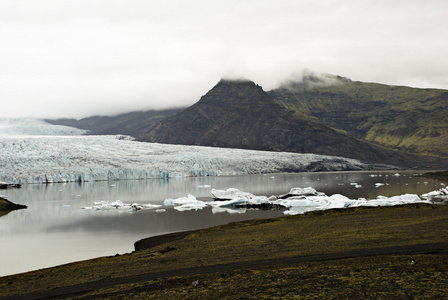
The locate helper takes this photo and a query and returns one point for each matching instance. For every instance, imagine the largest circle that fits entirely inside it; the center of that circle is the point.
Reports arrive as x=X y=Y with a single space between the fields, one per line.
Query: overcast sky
x=76 y=58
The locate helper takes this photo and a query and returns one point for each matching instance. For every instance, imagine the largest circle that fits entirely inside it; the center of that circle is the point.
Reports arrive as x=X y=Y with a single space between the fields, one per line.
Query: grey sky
x=76 y=58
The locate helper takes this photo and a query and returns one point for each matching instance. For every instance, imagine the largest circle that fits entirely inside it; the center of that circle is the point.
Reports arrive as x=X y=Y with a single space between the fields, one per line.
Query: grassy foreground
x=232 y=261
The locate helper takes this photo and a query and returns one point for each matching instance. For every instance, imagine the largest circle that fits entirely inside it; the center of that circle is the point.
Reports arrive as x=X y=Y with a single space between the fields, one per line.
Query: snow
x=21 y=127
x=43 y=156
x=297 y=201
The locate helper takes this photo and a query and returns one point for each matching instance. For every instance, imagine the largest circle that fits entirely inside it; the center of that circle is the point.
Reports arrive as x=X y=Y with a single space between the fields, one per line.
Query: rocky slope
x=129 y=123
x=239 y=114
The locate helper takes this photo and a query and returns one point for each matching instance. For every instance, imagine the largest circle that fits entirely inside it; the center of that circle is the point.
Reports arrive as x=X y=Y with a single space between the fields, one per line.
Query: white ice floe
x=440 y=195
x=185 y=203
x=231 y=193
x=340 y=201
x=297 y=201
x=120 y=206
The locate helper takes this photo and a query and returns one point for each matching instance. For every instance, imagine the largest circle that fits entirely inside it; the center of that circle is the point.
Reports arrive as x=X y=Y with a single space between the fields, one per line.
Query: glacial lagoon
x=55 y=229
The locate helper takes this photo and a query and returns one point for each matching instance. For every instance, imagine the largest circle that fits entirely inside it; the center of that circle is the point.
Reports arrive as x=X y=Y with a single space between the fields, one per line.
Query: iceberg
x=120 y=206
x=440 y=195
x=185 y=203
x=297 y=201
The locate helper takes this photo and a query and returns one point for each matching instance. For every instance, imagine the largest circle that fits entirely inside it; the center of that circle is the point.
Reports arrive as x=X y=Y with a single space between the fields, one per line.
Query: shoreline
x=382 y=232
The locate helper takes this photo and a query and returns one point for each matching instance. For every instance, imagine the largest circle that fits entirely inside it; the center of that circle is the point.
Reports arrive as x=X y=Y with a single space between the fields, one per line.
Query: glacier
x=36 y=127
x=36 y=152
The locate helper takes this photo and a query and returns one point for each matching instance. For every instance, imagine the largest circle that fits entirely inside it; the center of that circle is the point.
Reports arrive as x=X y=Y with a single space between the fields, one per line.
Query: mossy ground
x=382 y=277
x=332 y=231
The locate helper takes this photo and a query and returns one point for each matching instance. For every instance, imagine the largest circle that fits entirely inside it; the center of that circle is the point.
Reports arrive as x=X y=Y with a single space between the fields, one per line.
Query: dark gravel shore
x=72 y=291
x=378 y=242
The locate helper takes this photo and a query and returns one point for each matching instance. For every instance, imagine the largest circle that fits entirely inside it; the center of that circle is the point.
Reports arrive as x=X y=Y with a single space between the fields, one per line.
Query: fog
x=76 y=58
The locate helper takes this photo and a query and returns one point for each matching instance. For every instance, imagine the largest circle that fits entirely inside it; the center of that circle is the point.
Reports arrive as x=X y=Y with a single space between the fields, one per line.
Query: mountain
x=240 y=114
x=409 y=119
x=129 y=123
x=322 y=114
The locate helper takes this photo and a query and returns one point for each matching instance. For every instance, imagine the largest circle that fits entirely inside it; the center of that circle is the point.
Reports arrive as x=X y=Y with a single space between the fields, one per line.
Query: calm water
x=56 y=230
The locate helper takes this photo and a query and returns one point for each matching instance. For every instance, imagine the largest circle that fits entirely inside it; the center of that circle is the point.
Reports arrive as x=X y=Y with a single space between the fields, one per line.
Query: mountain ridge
x=240 y=114
x=329 y=115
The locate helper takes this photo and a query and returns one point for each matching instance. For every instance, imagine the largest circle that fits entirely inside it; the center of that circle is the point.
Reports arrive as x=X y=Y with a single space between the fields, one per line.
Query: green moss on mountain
x=404 y=118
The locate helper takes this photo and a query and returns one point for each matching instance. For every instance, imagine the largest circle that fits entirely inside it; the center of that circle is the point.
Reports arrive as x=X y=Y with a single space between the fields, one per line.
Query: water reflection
x=54 y=217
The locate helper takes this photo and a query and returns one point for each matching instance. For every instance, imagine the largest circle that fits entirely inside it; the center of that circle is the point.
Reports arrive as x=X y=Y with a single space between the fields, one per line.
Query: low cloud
x=78 y=58
x=309 y=79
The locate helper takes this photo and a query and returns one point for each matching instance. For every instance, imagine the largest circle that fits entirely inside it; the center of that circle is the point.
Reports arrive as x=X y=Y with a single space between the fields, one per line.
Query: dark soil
x=383 y=252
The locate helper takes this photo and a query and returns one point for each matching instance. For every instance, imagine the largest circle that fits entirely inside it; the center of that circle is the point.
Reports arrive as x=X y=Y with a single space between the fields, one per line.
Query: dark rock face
x=132 y=123
x=4 y=186
x=239 y=114
x=6 y=205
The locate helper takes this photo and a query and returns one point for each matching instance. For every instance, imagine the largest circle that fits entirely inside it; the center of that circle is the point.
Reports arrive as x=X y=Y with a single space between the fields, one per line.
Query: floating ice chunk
x=240 y=202
x=304 y=202
x=160 y=210
x=378 y=184
x=439 y=195
x=119 y=205
x=191 y=206
x=230 y=193
x=218 y=209
x=298 y=210
x=307 y=191
x=396 y=175
x=300 y=206
x=181 y=201
x=151 y=206
x=390 y=201
x=185 y=203
x=282 y=202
